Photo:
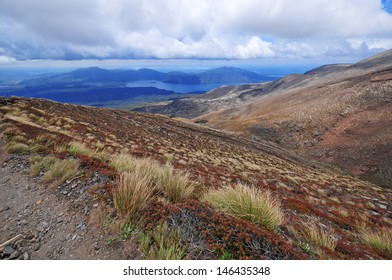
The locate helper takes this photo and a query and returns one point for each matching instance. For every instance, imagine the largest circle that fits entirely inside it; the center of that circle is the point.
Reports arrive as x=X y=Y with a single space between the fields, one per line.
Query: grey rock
x=8 y=250
x=19 y=243
x=26 y=256
x=81 y=226
x=14 y=255
x=5 y=208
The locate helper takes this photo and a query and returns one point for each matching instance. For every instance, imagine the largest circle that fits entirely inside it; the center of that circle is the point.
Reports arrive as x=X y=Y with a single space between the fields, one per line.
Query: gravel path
x=50 y=224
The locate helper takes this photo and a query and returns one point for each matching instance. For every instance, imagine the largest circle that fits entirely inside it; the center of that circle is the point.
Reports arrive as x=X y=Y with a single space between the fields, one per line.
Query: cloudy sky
x=189 y=29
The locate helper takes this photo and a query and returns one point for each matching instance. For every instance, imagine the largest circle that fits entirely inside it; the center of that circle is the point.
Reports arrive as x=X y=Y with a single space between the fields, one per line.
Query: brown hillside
x=326 y=215
x=340 y=116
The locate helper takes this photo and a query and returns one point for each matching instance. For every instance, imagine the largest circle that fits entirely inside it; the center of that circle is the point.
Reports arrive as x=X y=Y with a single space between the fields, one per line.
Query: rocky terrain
x=51 y=224
x=337 y=114
x=318 y=213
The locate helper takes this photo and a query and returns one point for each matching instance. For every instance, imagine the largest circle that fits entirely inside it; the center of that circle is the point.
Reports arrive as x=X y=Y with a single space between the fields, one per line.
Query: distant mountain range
x=228 y=75
x=109 y=88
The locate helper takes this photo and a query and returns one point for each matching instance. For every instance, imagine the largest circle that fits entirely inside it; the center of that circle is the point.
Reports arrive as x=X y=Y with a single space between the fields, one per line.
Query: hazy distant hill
x=98 y=75
x=102 y=87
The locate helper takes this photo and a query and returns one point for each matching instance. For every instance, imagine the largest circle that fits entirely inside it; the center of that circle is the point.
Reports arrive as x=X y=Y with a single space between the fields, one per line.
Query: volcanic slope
x=324 y=215
x=337 y=114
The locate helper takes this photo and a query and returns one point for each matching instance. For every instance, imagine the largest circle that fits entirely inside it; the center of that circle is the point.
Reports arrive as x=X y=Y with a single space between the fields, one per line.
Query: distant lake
x=180 y=88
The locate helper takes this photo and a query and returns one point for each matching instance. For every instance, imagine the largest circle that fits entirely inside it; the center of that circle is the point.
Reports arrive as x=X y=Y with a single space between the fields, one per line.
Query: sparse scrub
x=163 y=243
x=132 y=195
x=176 y=186
x=61 y=171
x=382 y=239
x=248 y=203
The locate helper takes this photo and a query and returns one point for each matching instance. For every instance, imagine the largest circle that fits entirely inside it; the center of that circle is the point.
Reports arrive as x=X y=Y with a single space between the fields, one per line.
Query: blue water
x=180 y=88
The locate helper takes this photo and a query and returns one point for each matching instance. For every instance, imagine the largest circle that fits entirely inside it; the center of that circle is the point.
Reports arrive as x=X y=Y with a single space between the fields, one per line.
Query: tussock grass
x=163 y=243
x=175 y=186
x=380 y=239
x=61 y=171
x=17 y=148
x=123 y=162
x=248 y=203
x=19 y=139
x=75 y=147
x=9 y=133
x=79 y=148
x=40 y=164
x=132 y=195
x=320 y=236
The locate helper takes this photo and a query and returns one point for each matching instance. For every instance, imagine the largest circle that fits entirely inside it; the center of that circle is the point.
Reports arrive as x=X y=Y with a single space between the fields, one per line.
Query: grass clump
x=79 y=148
x=9 y=133
x=248 y=203
x=132 y=195
x=126 y=231
x=40 y=164
x=18 y=148
x=175 y=186
x=320 y=236
x=163 y=243
x=123 y=162
x=382 y=239
x=18 y=139
x=61 y=171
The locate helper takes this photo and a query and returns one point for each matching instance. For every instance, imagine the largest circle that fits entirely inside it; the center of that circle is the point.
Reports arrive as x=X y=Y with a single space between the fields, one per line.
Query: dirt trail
x=51 y=224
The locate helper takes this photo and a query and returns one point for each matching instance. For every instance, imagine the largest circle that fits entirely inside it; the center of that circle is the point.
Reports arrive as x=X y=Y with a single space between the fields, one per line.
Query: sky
x=275 y=31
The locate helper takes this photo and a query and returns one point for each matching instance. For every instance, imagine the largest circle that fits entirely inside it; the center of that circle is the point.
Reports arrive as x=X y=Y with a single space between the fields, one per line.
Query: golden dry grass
x=320 y=236
x=380 y=239
x=248 y=203
x=163 y=243
x=40 y=164
x=176 y=186
x=132 y=195
x=61 y=171
x=17 y=148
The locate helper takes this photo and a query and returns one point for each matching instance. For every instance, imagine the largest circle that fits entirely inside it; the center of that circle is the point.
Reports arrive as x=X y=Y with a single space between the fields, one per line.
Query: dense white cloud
x=74 y=29
x=6 y=59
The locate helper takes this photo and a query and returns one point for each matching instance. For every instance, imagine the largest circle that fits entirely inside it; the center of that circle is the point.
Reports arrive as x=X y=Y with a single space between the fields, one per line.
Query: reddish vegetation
x=97 y=165
x=216 y=159
x=224 y=233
